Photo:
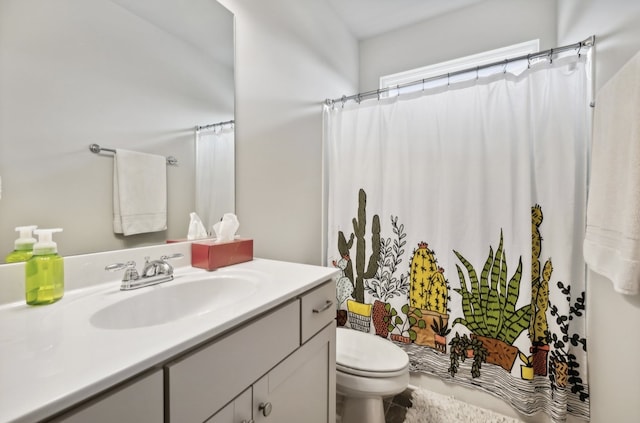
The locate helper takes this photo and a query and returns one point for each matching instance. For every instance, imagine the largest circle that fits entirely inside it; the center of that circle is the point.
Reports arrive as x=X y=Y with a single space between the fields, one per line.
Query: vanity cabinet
x=278 y=367
x=284 y=362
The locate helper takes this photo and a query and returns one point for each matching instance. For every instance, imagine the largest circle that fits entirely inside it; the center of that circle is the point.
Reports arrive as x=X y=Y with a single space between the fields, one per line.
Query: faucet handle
x=167 y=268
x=172 y=256
x=130 y=272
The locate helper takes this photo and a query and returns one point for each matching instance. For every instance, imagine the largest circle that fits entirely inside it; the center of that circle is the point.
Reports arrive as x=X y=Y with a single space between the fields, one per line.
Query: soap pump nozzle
x=45 y=244
x=26 y=239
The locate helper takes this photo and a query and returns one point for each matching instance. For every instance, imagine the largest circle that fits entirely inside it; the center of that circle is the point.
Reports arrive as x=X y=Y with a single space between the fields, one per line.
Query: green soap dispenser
x=44 y=271
x=23 y=249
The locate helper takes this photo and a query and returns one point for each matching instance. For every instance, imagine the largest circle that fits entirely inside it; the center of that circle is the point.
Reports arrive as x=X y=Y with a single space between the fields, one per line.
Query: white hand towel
x=612 y=240
x=139 y=193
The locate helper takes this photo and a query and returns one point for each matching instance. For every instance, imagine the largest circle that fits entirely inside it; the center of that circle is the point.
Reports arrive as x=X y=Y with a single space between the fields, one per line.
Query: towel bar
x=95 y=148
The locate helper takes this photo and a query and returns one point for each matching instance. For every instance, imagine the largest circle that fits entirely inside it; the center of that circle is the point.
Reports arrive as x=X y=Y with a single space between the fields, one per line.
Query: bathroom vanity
x=265 y=355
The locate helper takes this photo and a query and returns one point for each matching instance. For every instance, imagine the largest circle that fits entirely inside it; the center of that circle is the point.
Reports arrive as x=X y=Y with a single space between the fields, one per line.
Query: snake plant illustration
x=358 y=235
x=489 y=306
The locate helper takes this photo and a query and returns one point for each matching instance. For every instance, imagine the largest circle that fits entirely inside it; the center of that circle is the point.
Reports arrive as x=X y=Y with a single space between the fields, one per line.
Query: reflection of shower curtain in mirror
x=456 y=218
x=215 y=177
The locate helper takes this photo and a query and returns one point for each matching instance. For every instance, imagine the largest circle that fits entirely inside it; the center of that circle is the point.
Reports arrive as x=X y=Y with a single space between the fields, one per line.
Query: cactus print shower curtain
x=456 y=217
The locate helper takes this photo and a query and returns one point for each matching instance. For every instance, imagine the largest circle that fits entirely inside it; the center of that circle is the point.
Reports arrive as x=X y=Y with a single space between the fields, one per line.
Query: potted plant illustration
x=463 y=347
x=526 y=369
x=344 y=288
x=538 y=327
x=401 y=328
x=440 y=331
x=489 y=306
x=385 y=285
x=357 y=319
x=564 y=368
x=429 y=292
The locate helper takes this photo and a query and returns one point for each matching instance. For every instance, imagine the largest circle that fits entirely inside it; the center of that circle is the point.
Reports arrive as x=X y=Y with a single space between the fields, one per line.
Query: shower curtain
x=215 y=173
x=456 y=217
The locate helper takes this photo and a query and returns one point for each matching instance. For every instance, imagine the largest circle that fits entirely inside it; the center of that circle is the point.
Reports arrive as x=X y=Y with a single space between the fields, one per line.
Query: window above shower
x=390 y=82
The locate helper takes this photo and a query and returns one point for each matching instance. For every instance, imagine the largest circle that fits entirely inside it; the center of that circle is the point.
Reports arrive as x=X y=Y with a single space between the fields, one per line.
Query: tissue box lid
x=210 y=255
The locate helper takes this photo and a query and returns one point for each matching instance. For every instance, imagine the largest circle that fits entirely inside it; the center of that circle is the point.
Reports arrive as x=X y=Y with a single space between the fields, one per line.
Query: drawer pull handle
x=265 y=407
x=326 y=306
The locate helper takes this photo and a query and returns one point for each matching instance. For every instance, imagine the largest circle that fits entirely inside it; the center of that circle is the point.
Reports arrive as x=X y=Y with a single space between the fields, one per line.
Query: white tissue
x=225 y=230
x=196 y=228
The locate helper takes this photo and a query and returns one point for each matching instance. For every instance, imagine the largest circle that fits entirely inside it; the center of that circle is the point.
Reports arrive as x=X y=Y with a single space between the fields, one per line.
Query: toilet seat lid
x=358 y=352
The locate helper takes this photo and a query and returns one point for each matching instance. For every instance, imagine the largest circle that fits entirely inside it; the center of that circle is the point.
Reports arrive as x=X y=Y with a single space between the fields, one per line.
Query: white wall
x=486 y=25
x=290 y=56
x=612 y=319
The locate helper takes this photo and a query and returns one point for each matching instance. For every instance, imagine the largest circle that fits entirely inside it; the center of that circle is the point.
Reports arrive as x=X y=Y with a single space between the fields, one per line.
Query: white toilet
x=368 y=368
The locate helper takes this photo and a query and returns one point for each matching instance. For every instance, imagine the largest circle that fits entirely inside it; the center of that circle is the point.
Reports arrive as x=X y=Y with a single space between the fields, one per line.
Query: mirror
x=133 y=74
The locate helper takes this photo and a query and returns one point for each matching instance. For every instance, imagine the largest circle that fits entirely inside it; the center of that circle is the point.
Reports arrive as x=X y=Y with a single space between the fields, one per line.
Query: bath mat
x=430 y=407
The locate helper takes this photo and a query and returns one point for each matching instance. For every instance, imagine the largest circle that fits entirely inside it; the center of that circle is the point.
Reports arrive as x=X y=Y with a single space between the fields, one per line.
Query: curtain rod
x=213 y=125
x=588 y=42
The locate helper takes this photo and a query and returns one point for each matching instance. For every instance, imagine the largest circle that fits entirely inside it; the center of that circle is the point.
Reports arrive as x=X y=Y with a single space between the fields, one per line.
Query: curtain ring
x=579 y=48
x=506 y=62
x=448 y=78
x=551 y=56
x=344 y=100
x=378 y=92
x=398 y=90
x=477 y=72
x=529 y=61
x=358 y=98
x=423 y=84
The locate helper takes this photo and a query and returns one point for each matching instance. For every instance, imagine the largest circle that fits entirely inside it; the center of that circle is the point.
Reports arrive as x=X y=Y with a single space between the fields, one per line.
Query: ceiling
x=368 y=18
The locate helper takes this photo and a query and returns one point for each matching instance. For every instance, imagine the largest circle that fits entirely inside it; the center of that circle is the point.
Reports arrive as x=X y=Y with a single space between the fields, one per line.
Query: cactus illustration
x=344 y=288
x=538 y=328
x=429 y=288
x=358 y=235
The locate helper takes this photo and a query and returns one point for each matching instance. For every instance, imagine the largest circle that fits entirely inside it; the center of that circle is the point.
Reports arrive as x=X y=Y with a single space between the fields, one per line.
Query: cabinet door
x=138 y=402
x=238 y=411
x=203 y=382
x=301 y=388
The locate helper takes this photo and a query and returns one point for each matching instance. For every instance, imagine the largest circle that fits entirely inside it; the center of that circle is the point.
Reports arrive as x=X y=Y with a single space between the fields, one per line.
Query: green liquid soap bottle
x=23 y=249
x=44 y=271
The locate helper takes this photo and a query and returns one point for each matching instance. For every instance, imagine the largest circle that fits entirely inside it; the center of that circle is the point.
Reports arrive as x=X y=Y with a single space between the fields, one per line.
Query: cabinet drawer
x=318 y=309
x=137 y=401
x=201 y=383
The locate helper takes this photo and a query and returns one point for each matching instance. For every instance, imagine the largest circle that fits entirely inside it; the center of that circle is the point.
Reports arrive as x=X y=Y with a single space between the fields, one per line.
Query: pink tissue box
x=210 y=255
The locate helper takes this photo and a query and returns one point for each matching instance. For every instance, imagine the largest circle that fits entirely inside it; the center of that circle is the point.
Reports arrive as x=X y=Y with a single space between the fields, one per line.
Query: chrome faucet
x=153 y=272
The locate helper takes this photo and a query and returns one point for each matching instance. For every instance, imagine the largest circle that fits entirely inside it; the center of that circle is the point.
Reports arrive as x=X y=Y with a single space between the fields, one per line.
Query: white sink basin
x=174 y=300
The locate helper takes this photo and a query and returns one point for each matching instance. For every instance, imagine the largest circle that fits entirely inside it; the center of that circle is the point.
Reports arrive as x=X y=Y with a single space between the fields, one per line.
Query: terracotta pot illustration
x=440 y=343
x=359 y=315
x=526 y=372
x=341 y=317
x=380 y=316
x=540 y=353
x=400 y=338
x=499 y=352
x=425 y=336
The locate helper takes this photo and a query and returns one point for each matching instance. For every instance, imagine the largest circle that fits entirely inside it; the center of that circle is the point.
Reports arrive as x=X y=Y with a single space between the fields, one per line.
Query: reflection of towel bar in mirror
x=95 y=148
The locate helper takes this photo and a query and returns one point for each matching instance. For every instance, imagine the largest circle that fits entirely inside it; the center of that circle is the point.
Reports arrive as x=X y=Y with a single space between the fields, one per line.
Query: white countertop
x=51 y=357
